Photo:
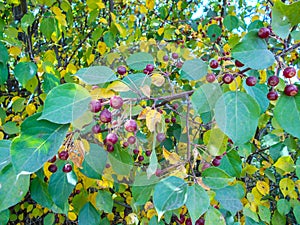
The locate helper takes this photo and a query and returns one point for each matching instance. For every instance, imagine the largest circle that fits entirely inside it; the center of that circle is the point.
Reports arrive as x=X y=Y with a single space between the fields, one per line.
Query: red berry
x=121 y=70
x=216 y=162
x=264 y=32
x=111 y=139
x=131 y=140
x=52 y=160
x=210 y=77
x=205 y=166
x=251 y=81
x=166 y=58
x=200 y=221
x=105 y=116
x=219 y=156
x=272 y=95
x=63 y=155
x=96 y=129
x=175 y=55
x=141 y=158
x=175 y=106
x=130 y=126
x=273 y=81
x=173 y=119
x=167 y=120
x=67 y=168
x=214 y=64
x=148 y=153
x=179 y=65
x=95 y=106
x=150 y=68
x=228 y=78
x=158 y=172
x=238 y=63
x=116 y=102
x=181 y=220
x=52 y=168
x=188 y=221
x=289 y=72
x=145 y=71
x=136 y=151
x=291 y=90
x=110 y=148
x=125 y=144
x=160 y=137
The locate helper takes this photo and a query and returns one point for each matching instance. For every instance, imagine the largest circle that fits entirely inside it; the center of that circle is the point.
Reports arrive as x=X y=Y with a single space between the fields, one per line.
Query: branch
x=287 y=50
x=188 y=154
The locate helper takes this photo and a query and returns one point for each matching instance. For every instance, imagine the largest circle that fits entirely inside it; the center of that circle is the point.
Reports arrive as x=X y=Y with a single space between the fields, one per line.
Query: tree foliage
x=205 y=125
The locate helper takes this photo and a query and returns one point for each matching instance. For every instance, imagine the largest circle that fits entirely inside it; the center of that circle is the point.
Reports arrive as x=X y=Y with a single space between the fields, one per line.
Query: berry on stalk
x=291 y=90
x=150 y=68
x=272 y=95
x=227 y=78
x=251 y=81
x=96 y=129
x=121 y=70
x=273 y=81
x=130 y=125
x=264 y=32
x=52 y=168
x=214 y=64
x=116 y=102
x=63 y=155
x=105 y=116
x=111 y=138
x=95 y=106
x=67 y=168
x=210 y=77
x=289 y=72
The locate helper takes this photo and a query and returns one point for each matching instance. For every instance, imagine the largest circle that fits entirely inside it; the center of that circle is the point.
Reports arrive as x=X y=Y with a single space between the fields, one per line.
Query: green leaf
x=3 y=73
x=109 y=39
x=193 y=69
x=50 y=81
x=61 y=186
x=197 y=201
x=19 y=105
x=39 y=192
x=49 y=219
x=264 y=213
x=153 y=163
x=250 y=214
x=88 y=215
x=296 y=212
x=139 y=61
x=216 y=178
x=94 y=162
x=230 y=198
x=237 y=115
x=4 y=153
x=259 y=93
x=231 y=22
x=49 y=25
x=96 y=75
x=284 y=17
x=216 y=141
x=297 y=167
x=11 y=128
x=26 y=21
x=3 y=54
x=205 y=97
x=296 y=35
x=4 y=217
x=120 y=160
x=142 y=188
x=253 y=52
x=13 y=187
x=213 y=32
x=65 y=103
x=283 y=206
x=214 y=217
x=24 y=71
x=39 y=141
x=278 y=219
x=135 y=82
x=287 y=105
x=232 y=164
x=170 y=193
x=104 y=201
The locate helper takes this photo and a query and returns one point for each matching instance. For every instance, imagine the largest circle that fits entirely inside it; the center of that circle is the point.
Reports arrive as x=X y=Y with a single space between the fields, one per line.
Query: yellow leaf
x=110 y=216
x=90 y=59
x=285 y=164
x=122 y=30
x=263 y=187
x=157 y=79
x=1 y=135
x=150 y=4
x=143 y=113
x=30 y=109
x=100 y=5
x=113 y=17
x=61 y=18
x=160 y=55
x=286 y=186
x=186 y=54
x=200 y=182
x=14 y=51
x=179 y=5
x=132 y=18
x=250 y=169
x=257 y=195
x=50 y=56
x=146 y=90
x=226 y=47
x=112 y=56
x=101 y=47
x=71 y=68
x=256 y=17
x=160 y=31
x=143 y=9
x=171 y=157
x=72 y=216
x=263 y=76
x=102 y=93
x=118 y=86
x=233 y=86
x=152 y=118
x=103 y=20
x=297 y=184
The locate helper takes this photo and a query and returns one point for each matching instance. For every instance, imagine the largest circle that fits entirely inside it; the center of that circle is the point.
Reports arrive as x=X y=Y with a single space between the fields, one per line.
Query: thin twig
x=188 y=154
x=285 y=51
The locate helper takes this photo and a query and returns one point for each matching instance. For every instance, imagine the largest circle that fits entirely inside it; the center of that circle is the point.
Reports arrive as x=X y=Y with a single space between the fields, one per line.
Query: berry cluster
x=63 y=155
